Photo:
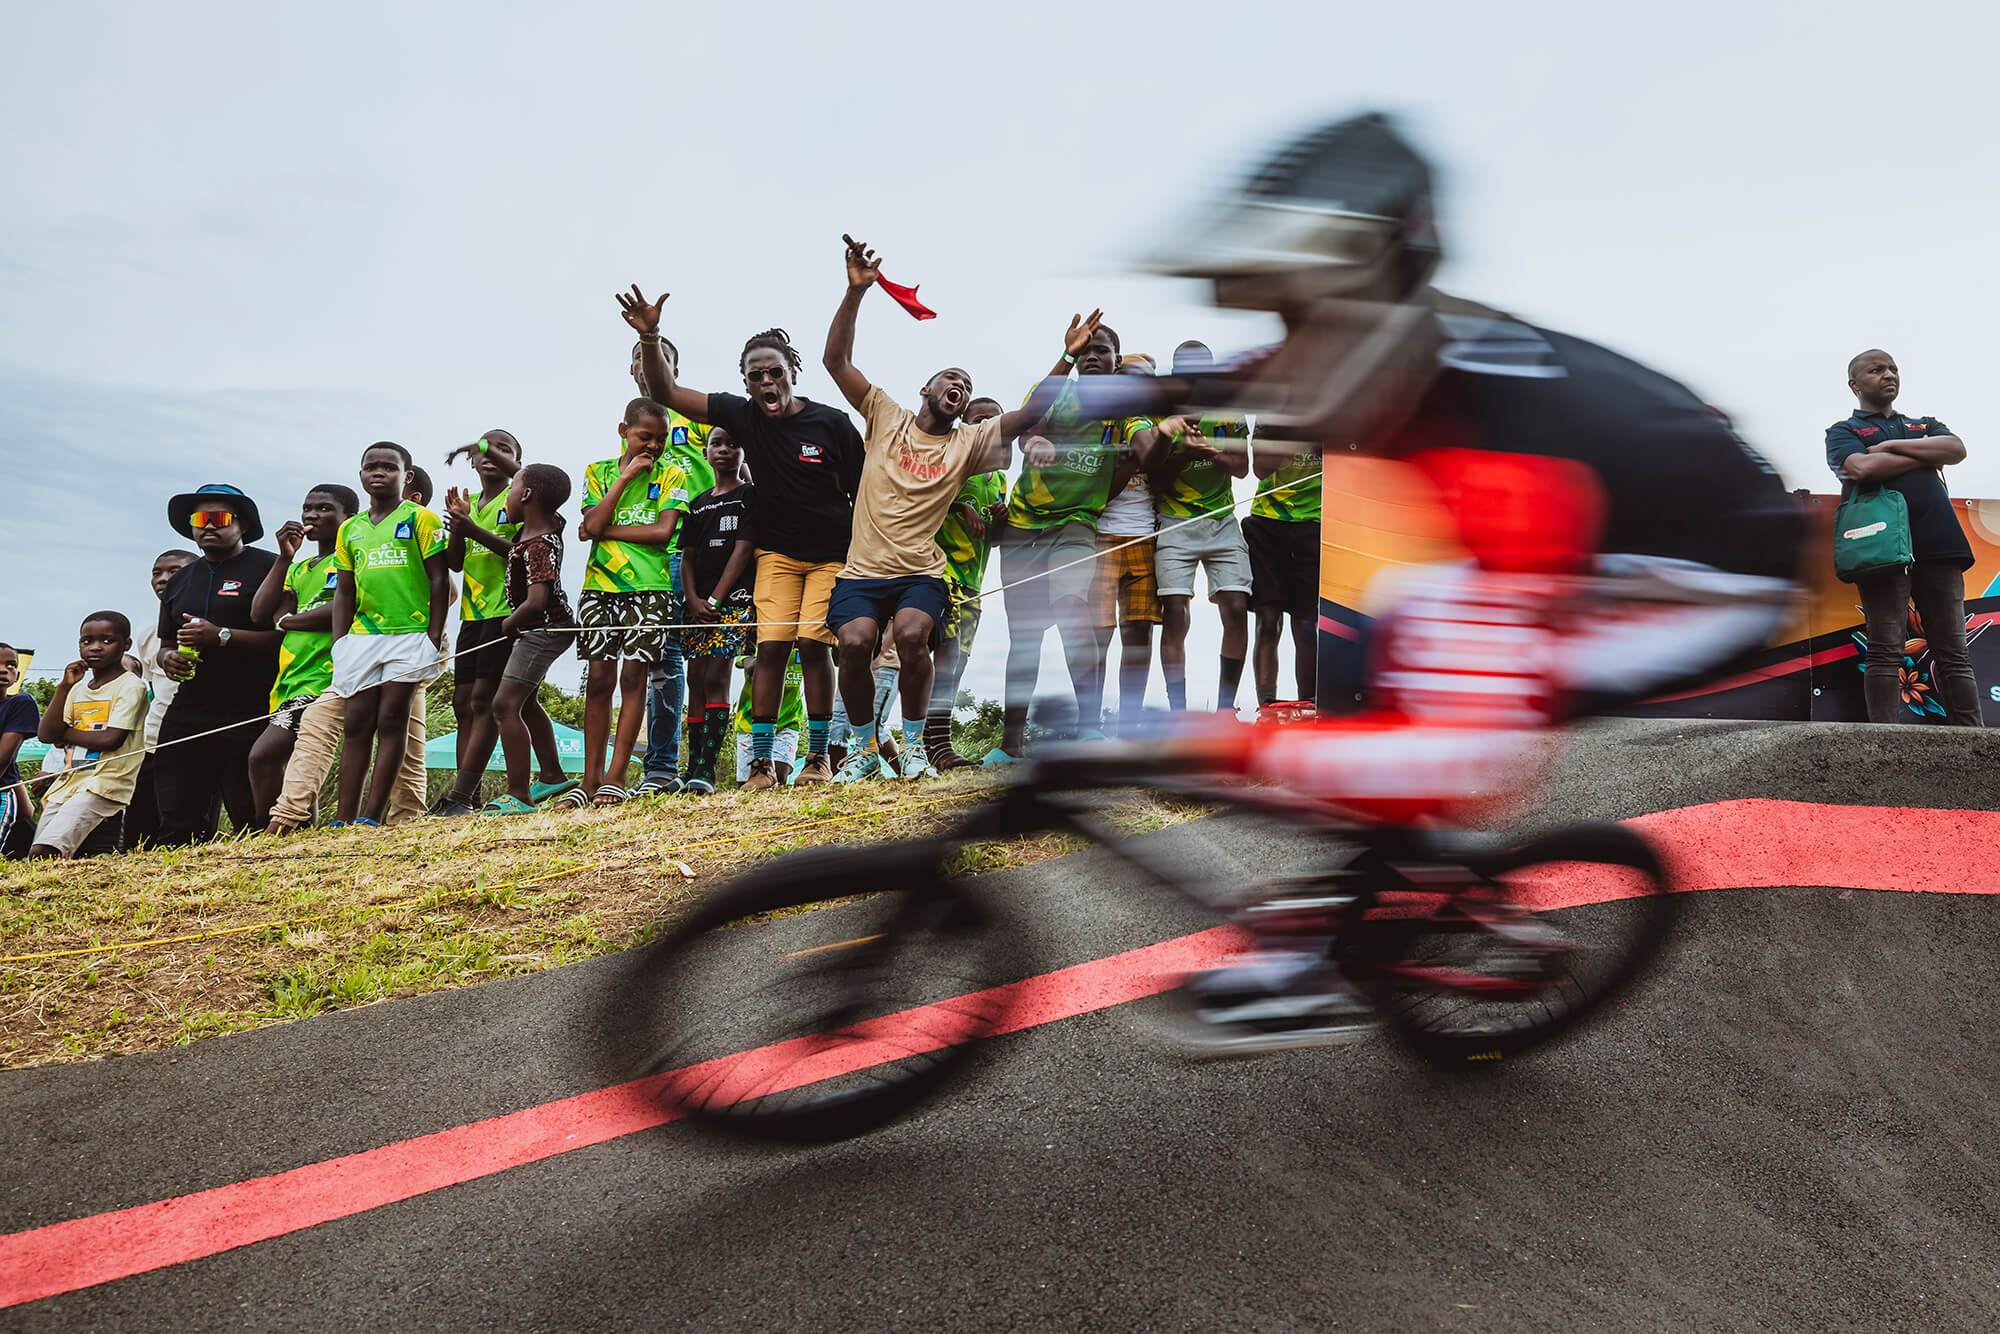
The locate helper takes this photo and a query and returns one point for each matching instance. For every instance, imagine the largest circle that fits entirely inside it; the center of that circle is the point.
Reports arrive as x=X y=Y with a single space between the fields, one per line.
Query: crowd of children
x=843 y=567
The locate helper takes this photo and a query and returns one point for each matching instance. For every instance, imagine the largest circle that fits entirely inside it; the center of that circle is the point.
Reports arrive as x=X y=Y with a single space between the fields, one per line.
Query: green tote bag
x=1871 y=532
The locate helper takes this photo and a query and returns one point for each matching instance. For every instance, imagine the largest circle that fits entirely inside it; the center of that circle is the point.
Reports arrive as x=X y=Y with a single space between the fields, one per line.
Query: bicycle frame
x=1430 y=864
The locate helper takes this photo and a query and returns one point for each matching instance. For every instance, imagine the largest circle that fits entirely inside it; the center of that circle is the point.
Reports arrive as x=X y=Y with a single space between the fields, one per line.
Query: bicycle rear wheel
x=820 y=996
x=1470 y=970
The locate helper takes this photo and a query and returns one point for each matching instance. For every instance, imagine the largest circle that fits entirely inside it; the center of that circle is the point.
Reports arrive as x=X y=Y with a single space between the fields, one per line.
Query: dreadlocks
x=777 y=340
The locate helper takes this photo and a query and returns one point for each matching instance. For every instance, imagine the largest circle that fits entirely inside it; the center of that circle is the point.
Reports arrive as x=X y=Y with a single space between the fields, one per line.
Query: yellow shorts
x=1125 y=589
x=792 y=597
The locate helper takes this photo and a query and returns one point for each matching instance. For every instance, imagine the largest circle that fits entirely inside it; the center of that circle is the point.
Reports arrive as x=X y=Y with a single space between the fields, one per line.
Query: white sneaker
x=917 y=762
x=862 y=764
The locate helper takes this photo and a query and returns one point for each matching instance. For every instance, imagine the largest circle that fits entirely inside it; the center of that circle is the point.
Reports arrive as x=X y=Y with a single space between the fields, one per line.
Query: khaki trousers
x=317 y=746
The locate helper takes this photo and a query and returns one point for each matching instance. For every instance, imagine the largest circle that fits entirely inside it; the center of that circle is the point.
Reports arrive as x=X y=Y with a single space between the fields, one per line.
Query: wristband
x=1070 y=357
x=649 y=338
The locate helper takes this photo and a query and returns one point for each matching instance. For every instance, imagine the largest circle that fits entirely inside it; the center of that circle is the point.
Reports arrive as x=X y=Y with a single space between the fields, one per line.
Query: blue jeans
x=666 y=696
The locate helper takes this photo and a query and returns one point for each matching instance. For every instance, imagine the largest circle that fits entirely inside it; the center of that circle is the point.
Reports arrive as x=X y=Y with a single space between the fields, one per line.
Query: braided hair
x=777 y=340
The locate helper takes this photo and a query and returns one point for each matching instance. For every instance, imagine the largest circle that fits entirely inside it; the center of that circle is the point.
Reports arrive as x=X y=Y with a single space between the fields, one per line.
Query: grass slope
x=288 y=928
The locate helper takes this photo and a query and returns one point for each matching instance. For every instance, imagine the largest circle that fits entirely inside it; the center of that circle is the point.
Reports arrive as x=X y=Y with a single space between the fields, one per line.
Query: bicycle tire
x=1494 y=1032
x=891 y=1041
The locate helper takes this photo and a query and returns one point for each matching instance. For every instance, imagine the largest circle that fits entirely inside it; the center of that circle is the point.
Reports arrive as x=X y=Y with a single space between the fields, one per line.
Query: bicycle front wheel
x=1475 y=968
x=820 y=996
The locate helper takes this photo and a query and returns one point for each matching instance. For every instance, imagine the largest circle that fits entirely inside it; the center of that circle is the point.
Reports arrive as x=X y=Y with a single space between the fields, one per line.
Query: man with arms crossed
x=1878 y=445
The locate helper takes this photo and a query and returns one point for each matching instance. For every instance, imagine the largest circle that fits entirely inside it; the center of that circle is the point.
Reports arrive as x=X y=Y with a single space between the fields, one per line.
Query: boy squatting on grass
x=97 y=715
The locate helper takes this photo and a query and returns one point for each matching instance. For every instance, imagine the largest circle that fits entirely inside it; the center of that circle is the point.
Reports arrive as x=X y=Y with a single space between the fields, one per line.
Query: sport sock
x=914 y=741
x=1225 y=687
x=1177 y=690
x=763 y=736
x=816 y=730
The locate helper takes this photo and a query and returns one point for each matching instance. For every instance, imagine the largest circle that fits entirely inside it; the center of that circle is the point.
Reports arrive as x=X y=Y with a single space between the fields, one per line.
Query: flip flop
x=613 y=792
x=575 y=799
x=541 y=792
x=507 y=804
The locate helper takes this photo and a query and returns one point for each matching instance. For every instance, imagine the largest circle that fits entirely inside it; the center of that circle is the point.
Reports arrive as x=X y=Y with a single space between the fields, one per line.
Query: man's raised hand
x=1080 y=330
x=291 y=536
x=641 y=314
x=864 y=266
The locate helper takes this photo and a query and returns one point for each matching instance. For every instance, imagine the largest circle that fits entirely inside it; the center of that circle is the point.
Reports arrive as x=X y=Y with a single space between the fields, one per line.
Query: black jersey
x=1677 y=480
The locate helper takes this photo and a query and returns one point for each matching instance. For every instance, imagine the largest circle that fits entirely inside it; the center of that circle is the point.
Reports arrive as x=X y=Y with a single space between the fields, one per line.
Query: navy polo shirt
x=1934 y=530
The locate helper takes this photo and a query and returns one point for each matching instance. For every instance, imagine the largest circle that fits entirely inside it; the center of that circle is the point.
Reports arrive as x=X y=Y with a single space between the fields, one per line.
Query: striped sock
x=816 y=729
x=762 y=736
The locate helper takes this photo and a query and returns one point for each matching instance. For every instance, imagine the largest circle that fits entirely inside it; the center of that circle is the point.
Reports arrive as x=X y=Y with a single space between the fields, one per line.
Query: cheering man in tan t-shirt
x=913 y=467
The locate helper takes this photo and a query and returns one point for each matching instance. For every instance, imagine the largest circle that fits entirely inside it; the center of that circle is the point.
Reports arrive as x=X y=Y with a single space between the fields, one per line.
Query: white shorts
x=1216 y=543
x=784 y=750
x=64 y=827
x=362 y=662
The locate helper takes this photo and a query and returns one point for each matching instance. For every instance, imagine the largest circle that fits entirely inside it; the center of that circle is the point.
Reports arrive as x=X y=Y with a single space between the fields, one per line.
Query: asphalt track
x=1792 y=1125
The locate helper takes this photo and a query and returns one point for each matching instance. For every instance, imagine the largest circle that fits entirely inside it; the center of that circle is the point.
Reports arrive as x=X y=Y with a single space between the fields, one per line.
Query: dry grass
x=290 y=928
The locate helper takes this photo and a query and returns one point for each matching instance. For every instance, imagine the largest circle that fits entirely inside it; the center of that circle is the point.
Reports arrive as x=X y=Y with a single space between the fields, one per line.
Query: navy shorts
x=879 y=600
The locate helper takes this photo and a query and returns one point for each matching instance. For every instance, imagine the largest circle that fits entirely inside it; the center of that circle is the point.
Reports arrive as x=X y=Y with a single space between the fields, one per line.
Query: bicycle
x=902 y=967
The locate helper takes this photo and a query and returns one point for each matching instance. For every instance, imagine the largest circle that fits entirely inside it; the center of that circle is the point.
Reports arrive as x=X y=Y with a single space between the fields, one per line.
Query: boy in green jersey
x=666 y=684
x=296 y=598
x=965 y=538
x=1283 y=534
x=1048 y=545
x=481 y=532
x=631 y=506
x=388 y=626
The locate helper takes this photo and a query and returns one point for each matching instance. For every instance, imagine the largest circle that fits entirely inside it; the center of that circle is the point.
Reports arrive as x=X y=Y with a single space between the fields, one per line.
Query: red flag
x=906 y=297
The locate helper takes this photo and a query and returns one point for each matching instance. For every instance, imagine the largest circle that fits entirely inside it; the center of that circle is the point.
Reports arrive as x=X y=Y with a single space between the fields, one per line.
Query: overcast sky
x=240 y=241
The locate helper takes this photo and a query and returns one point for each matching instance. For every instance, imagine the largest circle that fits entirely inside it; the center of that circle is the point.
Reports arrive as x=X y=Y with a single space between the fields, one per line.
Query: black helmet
x=1333 y=213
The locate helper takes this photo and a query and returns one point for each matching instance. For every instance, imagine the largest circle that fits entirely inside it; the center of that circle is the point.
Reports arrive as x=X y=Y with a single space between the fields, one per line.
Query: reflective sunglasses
x=211 y=519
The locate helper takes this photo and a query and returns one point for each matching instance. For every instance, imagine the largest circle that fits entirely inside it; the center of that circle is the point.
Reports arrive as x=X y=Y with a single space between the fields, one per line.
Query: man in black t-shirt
x=805 y=458
x=1878 y=445
x=223 y=662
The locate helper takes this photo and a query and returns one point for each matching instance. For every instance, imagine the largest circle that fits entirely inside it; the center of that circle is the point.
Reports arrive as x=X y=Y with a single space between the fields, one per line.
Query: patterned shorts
x=609 y=621
x=291 y=711
x=961 y=621
x=722 y=640
x=1125 y=588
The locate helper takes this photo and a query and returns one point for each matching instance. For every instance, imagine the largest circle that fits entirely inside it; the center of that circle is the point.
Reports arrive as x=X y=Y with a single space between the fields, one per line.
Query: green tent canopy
x=441 y=752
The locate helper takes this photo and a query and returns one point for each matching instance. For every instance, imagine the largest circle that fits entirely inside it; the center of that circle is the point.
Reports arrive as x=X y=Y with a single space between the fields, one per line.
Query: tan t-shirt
x=908 y=480
x=121 y=704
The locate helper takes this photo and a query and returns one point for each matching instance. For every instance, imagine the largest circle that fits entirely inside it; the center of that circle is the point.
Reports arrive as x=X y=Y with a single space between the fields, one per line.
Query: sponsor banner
x=1379 y=515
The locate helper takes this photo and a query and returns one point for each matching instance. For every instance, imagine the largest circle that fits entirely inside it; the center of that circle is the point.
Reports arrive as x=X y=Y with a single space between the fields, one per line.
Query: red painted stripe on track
x=82 y=1252
x=1744 y=844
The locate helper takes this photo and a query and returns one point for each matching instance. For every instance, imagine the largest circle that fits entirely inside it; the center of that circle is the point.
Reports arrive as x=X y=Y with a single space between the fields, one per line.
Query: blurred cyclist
x=1624 y=542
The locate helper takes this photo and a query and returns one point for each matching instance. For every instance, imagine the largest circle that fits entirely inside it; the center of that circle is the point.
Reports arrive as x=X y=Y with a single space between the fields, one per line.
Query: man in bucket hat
x=223 y=662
